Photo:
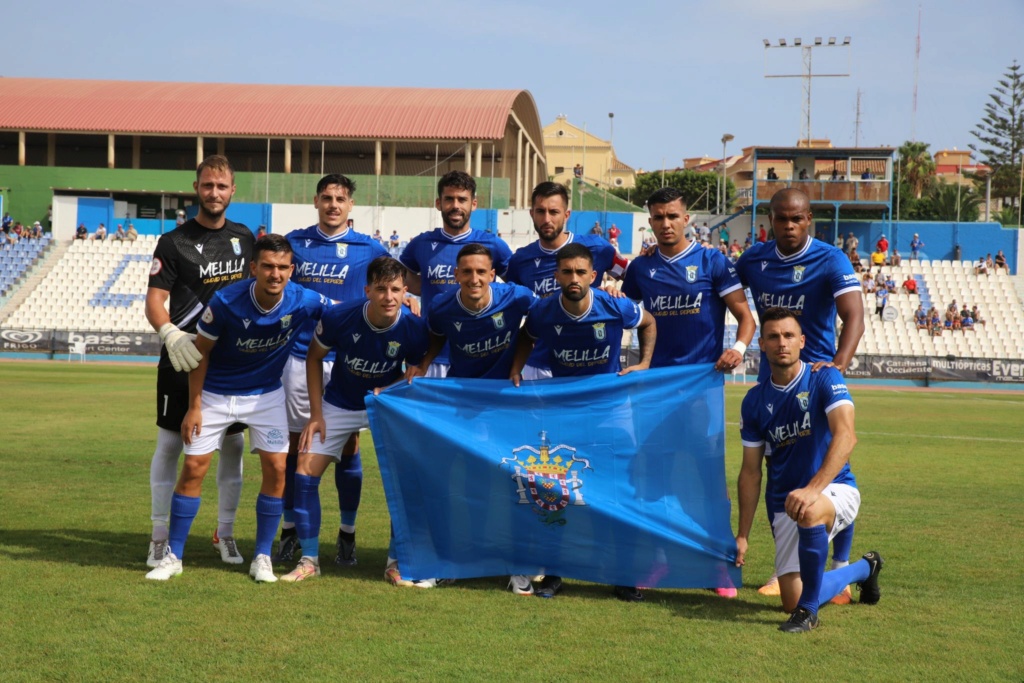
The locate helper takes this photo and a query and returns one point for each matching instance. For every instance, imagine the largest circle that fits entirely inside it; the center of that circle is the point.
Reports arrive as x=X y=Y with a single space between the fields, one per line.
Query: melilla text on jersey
x=792 y=302
x=222 y=271
x=581 y=357
x=441 y=274
x=680 y=304
x=263 y=345
x=489 y=346
x=784 y=435
x=310 y=272
x=362 y=367
x=545 y=287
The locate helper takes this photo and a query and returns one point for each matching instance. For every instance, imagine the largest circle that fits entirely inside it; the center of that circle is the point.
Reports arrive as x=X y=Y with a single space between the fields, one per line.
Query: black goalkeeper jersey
x=193 y=262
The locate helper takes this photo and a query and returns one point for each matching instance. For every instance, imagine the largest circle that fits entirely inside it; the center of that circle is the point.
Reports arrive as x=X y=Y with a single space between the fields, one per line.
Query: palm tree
x=944 y=203
x=917 y=168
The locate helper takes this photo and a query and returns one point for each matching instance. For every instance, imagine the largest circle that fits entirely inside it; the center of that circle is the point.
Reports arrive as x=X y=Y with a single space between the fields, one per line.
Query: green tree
x=915 y=171
x=1008 y=215
x=943 y=203
x=1001 y=134
x=698 y=188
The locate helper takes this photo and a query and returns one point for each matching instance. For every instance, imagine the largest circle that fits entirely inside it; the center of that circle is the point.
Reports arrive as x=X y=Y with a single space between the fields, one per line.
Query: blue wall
x=484 y=219
x=975 y=239
x=94 y=210
x=581 y=222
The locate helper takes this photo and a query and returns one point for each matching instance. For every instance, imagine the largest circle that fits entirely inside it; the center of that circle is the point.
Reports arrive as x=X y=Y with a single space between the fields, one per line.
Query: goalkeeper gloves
x=183 y=353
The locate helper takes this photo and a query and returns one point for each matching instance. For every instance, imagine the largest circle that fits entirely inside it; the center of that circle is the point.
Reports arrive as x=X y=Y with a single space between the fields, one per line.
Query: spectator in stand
x=952 y=307
x=81 y=232
x=747 y=243
x=37 y=230
x=596 y=230
x=120 y=234
x=100 y=234
x=1000 y=260
x=967 y=322
x=882 y=245
x=705 y=233
x=990 y=265
x=936 y=325
x=19 y=230
x=851 y=243
x=878 y=259
x=957 y=321
x=613 y=233
x=964 y=311
x=915 y=246
x=261 y=231
x=132 y=234
x=179 y=218
x=762 y=236
x=881 y=300
x=734 y=251
x=980 y=267
x=949 y=318
x=839 y=241
x=868 y=284
x=890 y=284
x=394 y=241
x=11 y=237
x=879 y=280
x=8 y=222
x=895 y=259
x=910 y=285
x=858 y=267
x=921 y=317
x=976 y=315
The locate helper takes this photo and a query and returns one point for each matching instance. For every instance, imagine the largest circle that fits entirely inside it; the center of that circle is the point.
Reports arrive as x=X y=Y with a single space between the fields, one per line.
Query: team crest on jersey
x=551 y=477
x=208 y=315
x=691 y=273
x=236 y=246
x=599 y=332
x=286 y=320
x=802 y=399
x=499 y=320
x=342 y=250
x=393 y=349
x=798 y=273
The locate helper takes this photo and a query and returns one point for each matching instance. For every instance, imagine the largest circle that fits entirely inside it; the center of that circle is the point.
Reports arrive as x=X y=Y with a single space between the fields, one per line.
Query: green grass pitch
x=940 y=473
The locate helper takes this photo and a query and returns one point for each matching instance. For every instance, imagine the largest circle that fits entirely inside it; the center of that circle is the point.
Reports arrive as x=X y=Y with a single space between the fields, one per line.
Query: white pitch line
x=925 y=436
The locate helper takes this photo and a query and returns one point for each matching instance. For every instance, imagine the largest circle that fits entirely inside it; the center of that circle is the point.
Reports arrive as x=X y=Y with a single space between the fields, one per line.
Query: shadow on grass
x=121 y=550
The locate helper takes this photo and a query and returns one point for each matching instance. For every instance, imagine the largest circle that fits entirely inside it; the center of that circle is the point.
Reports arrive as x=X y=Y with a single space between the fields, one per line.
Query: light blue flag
x=616 y=480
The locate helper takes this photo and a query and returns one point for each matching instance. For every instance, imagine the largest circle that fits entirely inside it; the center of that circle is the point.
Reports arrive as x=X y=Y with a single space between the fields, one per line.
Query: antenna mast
x=917 y=65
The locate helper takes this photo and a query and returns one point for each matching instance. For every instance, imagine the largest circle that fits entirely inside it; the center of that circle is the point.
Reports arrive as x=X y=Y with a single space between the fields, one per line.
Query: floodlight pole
x=807 y=75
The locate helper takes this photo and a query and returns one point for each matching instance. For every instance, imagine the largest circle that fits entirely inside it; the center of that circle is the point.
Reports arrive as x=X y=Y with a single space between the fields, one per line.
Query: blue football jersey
x=432 y=255
x=793 y=421
x=334 y=266
x=481 y=343
x=584 y=345
x=533 y=267
x=684 y=294
x=367 y=357
x=806 y=283
x=253 y=344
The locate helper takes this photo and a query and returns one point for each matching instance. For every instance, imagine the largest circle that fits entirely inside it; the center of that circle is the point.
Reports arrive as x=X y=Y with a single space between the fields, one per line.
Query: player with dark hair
x=372 y=339
x=808 y=420
x=431 y=256
x=330 y=258
x=189 y=265
x=815 y=280
x=582 y=330
x=244 y=337
x=533 y=266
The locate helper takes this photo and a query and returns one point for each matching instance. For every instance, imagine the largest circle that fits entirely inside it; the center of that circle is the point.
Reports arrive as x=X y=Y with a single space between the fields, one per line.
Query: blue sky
x=676 y=75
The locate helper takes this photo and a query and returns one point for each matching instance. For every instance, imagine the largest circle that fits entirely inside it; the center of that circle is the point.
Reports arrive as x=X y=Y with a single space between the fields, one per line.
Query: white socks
x=229 y=483
x=163 y=472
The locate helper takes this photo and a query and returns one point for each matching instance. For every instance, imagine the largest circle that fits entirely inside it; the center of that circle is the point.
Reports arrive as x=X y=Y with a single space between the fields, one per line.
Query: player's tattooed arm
x=647 y=332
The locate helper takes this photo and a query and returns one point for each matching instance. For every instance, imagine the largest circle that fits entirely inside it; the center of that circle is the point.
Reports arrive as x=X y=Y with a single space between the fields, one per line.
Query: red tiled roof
x=154 y=108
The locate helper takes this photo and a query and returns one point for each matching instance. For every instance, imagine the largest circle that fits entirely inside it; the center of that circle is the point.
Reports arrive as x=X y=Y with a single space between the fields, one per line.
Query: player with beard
x=190 y=264
x=533 y=266
x=330 y=258
x=431 y=257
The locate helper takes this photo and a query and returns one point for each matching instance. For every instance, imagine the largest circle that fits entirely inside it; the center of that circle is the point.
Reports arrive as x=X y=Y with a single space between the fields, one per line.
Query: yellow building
x=571 y=149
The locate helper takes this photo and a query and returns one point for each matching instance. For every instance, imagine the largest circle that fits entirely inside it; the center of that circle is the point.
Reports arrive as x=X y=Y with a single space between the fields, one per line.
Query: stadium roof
x=300 y=111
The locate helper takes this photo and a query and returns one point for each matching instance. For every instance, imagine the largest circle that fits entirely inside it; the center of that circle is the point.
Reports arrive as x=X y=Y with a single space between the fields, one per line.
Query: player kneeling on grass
x=372 y=340
x=807 y=419
x=244 y=336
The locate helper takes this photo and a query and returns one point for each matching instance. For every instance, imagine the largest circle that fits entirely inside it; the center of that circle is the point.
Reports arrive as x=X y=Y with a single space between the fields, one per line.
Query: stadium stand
x=94 y=286
x=16 y=260
x=939 y=284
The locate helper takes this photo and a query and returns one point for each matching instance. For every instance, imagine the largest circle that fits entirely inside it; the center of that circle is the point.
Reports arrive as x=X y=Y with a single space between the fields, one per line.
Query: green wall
x=28 y=190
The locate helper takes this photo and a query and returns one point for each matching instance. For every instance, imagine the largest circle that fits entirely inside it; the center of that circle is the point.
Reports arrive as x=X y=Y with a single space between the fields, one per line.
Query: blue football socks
x=348 y=478
x=307 y=514
x=183 y=512
x=812 y=550
x=268 y=515
x=842 y=544
x=836 y=580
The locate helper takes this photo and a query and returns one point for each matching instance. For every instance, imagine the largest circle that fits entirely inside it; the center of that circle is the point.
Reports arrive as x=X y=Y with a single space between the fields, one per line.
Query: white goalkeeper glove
x=183 y=353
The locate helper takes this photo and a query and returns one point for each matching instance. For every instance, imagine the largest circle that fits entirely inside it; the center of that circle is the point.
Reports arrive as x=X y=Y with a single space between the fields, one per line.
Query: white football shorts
x=263 y=413
x=296 y=393
x=340 y=425
x=845 y=499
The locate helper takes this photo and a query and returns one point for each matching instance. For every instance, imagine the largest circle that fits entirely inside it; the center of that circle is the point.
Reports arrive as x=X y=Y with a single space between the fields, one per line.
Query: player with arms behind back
x=330 y=258
x=190 y=264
